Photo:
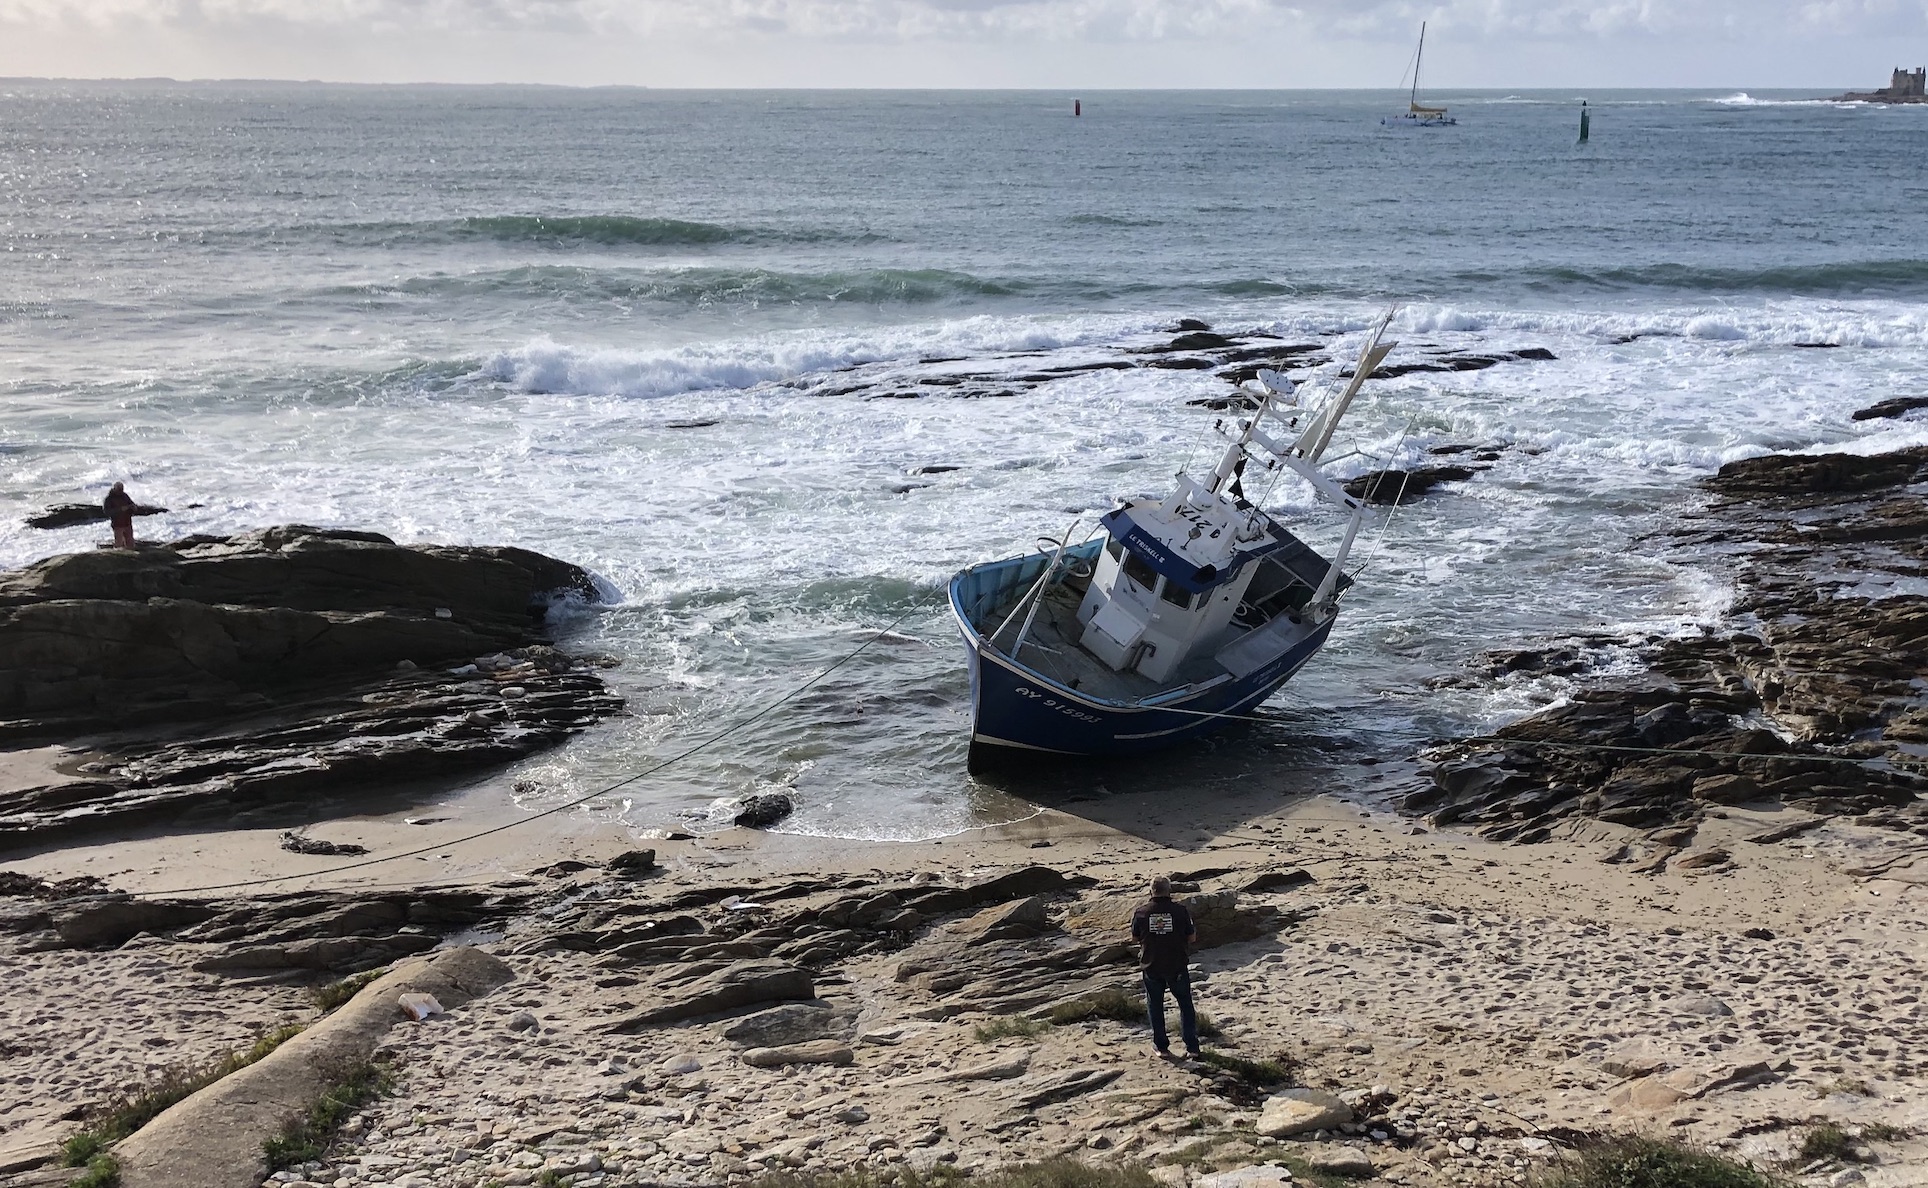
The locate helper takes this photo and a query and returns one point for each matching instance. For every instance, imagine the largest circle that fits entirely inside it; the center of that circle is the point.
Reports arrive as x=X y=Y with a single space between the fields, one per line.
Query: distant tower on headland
x=1907 y=86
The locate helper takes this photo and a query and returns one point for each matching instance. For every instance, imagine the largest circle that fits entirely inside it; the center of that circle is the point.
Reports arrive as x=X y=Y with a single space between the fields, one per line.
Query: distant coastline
x=1907 y=86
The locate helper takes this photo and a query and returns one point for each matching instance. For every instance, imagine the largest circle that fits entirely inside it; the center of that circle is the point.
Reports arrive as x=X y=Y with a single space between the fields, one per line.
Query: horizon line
x=1066 y=89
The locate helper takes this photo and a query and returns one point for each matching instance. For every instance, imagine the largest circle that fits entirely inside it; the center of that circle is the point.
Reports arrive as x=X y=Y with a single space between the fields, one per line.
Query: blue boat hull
x=1019 y=714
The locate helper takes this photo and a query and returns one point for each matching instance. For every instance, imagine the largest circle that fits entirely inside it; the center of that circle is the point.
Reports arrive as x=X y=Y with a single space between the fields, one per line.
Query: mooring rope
x=711 y=741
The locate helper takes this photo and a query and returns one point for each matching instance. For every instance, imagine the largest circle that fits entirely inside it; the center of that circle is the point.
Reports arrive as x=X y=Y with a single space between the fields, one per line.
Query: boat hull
x=1019 y=716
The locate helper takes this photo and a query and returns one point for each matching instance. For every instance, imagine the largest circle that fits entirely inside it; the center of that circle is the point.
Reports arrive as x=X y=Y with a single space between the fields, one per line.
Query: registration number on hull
x=1061 y=707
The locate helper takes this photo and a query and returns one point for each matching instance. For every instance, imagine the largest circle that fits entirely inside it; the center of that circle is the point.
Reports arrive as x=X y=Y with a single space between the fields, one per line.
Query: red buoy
x=1077 y=107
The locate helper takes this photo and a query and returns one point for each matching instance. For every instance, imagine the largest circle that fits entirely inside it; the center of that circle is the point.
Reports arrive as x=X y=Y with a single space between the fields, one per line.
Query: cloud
x=939 y=20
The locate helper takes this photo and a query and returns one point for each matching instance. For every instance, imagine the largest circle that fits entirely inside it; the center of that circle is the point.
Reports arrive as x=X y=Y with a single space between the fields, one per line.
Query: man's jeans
x=1181 y=987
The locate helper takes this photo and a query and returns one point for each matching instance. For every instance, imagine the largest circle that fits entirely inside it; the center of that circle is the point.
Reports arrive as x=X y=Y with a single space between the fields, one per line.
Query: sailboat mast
x=1412 y=100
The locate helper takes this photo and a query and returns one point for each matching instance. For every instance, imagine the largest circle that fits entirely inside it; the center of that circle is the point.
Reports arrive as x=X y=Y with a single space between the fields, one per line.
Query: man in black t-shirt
x=1165 y=934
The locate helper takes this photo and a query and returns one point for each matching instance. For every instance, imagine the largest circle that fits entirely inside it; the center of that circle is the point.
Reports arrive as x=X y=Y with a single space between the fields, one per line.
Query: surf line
x=917 y=607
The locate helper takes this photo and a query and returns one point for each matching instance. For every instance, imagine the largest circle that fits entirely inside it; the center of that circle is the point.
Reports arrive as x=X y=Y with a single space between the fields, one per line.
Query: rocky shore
x=1807 y=697
x=212 y=675
x=1715 y=932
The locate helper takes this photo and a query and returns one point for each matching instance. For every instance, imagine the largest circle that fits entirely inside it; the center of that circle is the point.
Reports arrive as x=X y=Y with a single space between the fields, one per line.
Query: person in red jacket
x=119 y=506
x=1165 y=935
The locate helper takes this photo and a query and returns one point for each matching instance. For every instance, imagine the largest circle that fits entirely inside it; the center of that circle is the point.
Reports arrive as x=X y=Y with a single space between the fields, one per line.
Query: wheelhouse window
x=1178 y=597
x=1116 y=550
x=1138 y=571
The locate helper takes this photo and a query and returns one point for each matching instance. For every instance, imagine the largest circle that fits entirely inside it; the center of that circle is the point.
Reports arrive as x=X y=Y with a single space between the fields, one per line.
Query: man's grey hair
x=1160 y=885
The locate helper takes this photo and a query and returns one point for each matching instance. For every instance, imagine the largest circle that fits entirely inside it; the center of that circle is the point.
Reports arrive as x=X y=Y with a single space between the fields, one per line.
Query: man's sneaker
x=1194 y=1054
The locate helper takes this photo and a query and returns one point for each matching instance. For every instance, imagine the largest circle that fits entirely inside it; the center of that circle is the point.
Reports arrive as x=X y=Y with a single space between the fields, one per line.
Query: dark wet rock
x=1015 y=884
x=1189 y=325
x=1794 y=475
x=1199 y=340
x=323 y=954
x=1898 y=407
x=632 y=864
x=295 y=843
x=13 y=883
x=286 y=661
x=1454 y=361
x=1404 y=486
x=763 y=810
x=66 y=515
x=112 y=921
x=1553 y=659
x=1834 y=668
x=1276 y=880
x=1182 y=363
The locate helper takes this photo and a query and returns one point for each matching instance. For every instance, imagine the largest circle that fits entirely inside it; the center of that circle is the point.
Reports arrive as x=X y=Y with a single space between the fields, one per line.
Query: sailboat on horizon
x=1416 y=115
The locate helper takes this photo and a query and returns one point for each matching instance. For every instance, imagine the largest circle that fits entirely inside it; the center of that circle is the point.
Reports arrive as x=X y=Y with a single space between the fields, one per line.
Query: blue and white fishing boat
x=1183 y=614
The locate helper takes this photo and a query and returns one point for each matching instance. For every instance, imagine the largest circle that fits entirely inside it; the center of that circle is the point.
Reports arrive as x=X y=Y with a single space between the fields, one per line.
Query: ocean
x=706 y=343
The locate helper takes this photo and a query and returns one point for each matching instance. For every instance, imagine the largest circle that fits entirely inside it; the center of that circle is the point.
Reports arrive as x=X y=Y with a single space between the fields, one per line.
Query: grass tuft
x=1826 y=1141
x=103 y=1171
x=1119 y=1007
x=127 y=1114
x=1105 y=1004
x=1882 y=1132
x=306 y=1138
x=79 y=1148
x=1009 y=1026
x=1849 y=1086
x=1631 y=1161
x=1255 y=1072
x=327 y=998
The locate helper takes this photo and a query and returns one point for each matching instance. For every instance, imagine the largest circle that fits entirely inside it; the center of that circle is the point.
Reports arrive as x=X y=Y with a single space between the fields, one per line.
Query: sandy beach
x=1481 y=1004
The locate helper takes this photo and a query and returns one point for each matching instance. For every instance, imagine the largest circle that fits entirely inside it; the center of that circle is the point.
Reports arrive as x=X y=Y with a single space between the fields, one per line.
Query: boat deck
x=1052 y=650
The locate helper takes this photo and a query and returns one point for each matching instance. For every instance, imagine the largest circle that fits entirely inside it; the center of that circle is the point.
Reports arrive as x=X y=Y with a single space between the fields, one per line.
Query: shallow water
x=482 y=314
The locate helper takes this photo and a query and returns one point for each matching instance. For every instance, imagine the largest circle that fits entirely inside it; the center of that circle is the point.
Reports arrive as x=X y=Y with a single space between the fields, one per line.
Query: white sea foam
x=545 y=366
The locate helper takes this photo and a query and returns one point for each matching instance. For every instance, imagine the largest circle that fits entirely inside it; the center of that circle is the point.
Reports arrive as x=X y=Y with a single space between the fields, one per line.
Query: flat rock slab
x=813 y=1052
x=1653 y=1094
x=1301 y=1111
x=1006 y=921
x=793 y=1023
x=731 y=988
x=1028 y=1093
x=1259 y=1176
x=994 y=1070
x=1349 y=1162
x=213 y=1138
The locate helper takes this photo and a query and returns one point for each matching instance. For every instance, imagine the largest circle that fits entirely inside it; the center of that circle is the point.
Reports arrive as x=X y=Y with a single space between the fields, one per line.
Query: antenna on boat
x=1312 y=443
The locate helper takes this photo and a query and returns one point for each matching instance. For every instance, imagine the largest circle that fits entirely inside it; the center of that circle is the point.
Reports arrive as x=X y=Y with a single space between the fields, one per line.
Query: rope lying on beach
x=712 y=740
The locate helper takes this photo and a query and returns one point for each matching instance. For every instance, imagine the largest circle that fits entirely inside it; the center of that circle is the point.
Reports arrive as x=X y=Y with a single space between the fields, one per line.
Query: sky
x=1047 y=44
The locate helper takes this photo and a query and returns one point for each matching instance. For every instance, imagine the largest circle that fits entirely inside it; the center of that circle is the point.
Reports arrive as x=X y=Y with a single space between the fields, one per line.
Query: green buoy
x=1585 y=121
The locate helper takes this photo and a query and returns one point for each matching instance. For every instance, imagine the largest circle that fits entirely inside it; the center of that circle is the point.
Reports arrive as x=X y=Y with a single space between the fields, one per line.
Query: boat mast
x=1412 y=100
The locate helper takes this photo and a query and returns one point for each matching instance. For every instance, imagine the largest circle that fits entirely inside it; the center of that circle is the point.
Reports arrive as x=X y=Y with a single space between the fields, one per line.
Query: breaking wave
x=709 y=286
x=546 y=367
x=1845 y=277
